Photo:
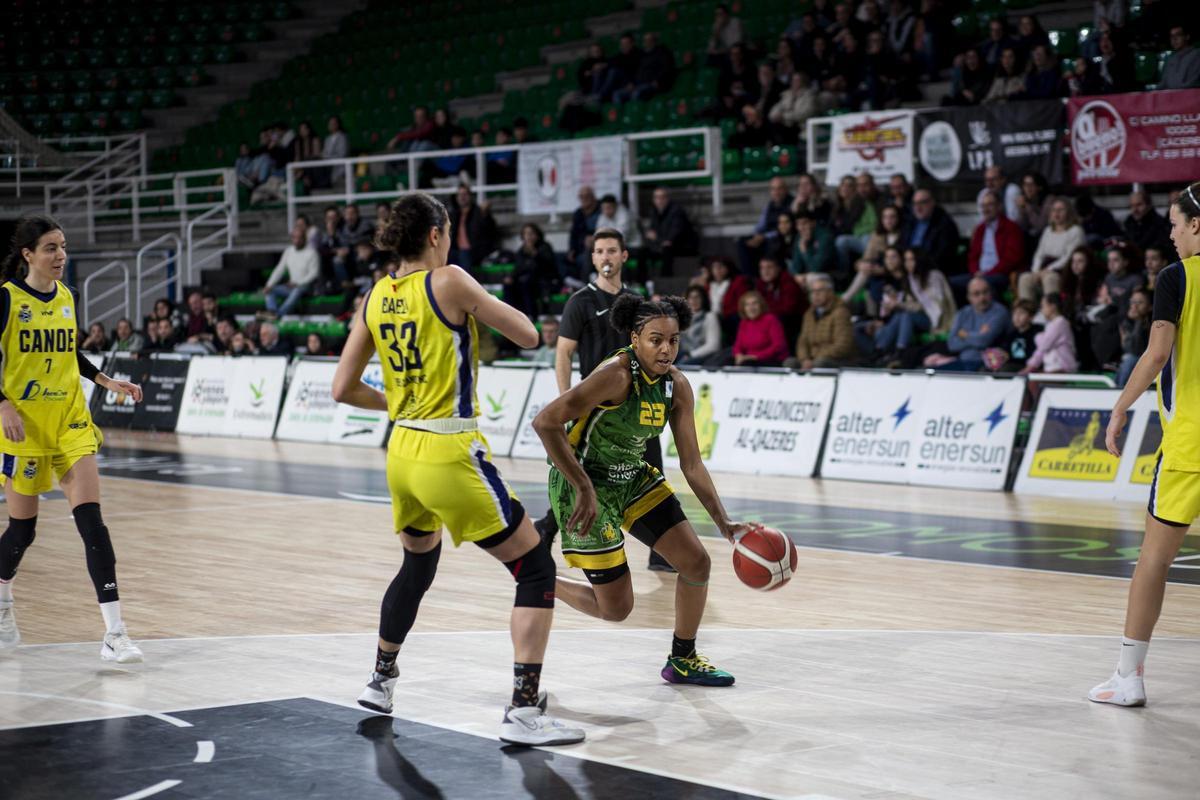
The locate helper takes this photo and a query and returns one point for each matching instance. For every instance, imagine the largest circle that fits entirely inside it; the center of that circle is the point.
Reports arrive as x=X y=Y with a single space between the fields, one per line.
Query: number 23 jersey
x=41 y=371
x=429 y=365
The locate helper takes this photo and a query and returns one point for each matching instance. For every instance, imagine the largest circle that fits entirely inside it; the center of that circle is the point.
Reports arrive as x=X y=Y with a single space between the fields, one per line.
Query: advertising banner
x=1066 y=456
x=956 y=144
x=872 y=428
x=549 y=175
x=878 y=142
x=1146 y=137
x=227 y=396
x=113 y=409
x=758 y=424
x=502 y=395
x=205 y=396
x=544 y=388
x=309 y=408
x=360 y=426
x=162 y=393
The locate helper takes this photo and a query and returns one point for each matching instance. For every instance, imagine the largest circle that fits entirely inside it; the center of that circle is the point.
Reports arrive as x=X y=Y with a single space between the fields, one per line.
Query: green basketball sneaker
x=695 y=669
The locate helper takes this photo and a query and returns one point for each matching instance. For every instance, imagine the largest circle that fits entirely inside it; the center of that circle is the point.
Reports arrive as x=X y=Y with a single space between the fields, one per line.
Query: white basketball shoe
x=378 y=694
x=120 y=648
x=531 y=725
x=1127 y=690
x=9 y=635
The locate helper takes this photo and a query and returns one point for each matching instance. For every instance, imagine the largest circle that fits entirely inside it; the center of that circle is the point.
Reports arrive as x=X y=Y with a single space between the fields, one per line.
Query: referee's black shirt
x=585 y=319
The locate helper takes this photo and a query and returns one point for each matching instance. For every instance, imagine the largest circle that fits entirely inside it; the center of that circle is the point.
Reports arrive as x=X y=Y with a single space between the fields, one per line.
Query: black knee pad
x=97 y=545
x=14 y=542
x=534 y=573
x=398 y=611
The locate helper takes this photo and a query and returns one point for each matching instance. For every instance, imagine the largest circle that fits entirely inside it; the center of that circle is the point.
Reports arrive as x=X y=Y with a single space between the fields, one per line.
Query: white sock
x=6 y=591
x=112 y=615
x=1133 y=655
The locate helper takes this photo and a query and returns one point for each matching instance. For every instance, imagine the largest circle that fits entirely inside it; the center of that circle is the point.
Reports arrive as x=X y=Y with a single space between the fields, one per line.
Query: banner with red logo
x=1150 y=137
x=877 y=142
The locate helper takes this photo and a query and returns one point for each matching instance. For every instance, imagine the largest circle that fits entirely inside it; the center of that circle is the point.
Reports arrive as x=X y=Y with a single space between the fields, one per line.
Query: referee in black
x=585 y=328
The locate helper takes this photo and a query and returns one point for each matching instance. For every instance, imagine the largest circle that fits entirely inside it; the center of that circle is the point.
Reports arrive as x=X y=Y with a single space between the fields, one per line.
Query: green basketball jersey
x=610 y=441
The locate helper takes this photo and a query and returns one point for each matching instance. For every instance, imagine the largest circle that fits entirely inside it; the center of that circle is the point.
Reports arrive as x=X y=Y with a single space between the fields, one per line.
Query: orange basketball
x=764 y=558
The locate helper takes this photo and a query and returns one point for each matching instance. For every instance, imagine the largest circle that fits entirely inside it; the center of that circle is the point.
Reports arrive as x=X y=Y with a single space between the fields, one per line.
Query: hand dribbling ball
x=764 y=558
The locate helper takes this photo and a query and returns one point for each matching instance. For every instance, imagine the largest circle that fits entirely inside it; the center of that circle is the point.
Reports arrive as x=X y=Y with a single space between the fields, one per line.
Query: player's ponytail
x=30 y=228
x=630 y=313
x=407 y=229
x=1189 y=201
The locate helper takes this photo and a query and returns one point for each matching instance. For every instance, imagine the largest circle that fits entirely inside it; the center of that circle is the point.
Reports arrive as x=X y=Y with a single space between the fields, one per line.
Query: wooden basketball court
x=934 y=644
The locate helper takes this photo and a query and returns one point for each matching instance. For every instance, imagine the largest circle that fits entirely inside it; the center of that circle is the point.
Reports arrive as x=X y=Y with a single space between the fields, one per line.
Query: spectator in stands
x=1056 y=344
x=269 y=343
x=314 y=345
x=417 y=137
x=783 y=296
x=779 y=201
x=502 y=164
x=165 y=309
x=767 y=93
x=1008 y=80
x=815 y=250
x=752 y=131
x=199 y=325
x=302 y=268
x=725 y=290
x=654 y=75
x=126 y=339
x=458 y=167
x=760 y=338
x=886 y=234
x=1061 y=236
x=823 y=69
x=1182 y=70
x=980 y=324
x=383 y=213
x=1121 y=280
x=336 y=145
x=97 y=339
x=1042 y=81
x=782 y=245
x=521 y=134
x=1033 y=206
x=1021 y=339
x=590 y=69
x=669 y=232
x=1099 y=225
x=737 y=86
x=970 y=80
x=726 y=34
x=785 y=61
x=621 y=70
x=150 y=334
x=1030 y=34
x=1111 y=72
x=534 y=275
x=827 y=334
x=241 y=345
x=702 y=339
x=306 y=147
x=583 y=225
x=443 y=126
x=614 y=215
x=996 y=181
x=810 y=198
x=844 y=26
x=926 y=303
x=165 y=338
x=545 y=353
x=247 y=167
x=881 y=76
x=1087 y=303
x=1157 y=259
x=795 y=106
x=331 y=251
x=353 y=231
x=1135 y=332
x=272 y=162
x=1144 y=226
x=899 y=195
x=991 y=48
x=472 y=229
x=900 y=28
x=933 y=230
x=997 y=249
x=862 y=219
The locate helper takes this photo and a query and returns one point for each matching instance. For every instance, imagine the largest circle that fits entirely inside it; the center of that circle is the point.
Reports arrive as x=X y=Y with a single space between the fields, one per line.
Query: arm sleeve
x=571 y=325
x=86 y=368
x=1168 y=294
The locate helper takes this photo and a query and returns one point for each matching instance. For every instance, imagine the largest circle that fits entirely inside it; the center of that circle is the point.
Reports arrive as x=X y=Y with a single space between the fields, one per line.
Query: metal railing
x=411 y=168
x=167 y=264
x=24 y=172
x=136 y=205
x=224 y=220
x=121 y=289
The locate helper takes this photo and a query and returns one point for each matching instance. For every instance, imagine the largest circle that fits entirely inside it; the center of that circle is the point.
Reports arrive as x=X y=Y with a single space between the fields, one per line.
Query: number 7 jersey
x=429 y=365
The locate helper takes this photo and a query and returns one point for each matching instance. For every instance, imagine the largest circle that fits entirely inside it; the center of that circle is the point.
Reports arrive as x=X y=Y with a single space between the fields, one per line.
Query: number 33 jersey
x=429 y=365
x=41 y=373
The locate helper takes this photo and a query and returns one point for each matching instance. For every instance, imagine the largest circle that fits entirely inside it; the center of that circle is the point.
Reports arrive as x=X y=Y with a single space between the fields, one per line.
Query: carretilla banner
x=956 y=145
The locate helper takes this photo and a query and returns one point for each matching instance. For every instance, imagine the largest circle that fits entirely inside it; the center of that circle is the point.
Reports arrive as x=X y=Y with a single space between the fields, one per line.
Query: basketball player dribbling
x=1173 y=358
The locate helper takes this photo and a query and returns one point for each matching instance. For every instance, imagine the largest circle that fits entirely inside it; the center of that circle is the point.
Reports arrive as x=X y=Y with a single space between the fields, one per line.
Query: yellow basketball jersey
x=1179 y=383
x=429 y=365
x=41 y=373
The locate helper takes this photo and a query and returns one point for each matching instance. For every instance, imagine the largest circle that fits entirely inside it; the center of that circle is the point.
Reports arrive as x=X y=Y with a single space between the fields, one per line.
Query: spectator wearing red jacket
x=997 y=248
x=783 y=296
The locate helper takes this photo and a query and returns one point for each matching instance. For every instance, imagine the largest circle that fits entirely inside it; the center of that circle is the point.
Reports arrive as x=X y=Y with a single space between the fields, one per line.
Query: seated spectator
x=933 y=230
x=827 y=334
x=900 y=194
x=276 y=154
x=1182 y=70
x=614 y=215
x=534 y=276
x=1030 y=34
x=766 y=95
x=336 y=145
x=997 y=249
x=972 y=79
x=472 y=229
x=814 y=250
x=702 y=339
x=725 y=291
x=1008 y=79
x=333 y=254
x=760 y=339
x=995 y=180
x=1082 y=281
x=980 y=324
x=991 y=48
x=655 y=72
x=96 y=341
x=725 y=35
x=226 y=327
x=165 y=309
x=1062 y=235
x=810 y=198
x=302 y=268
x=457 y=167
x=795 y=106
x=1097 y=222
x=314 y=345
x=751 y=247
x=1144 y=226
x=269 y=343
x=1056 y=344
x=1135 y=333
x=545 y=354
x=782 y=245
x=521 y=134
x=583 y=224
x=1112 y=71
x=1042 y=81
x=502 y=164
x=353 y=231
x=752 y=131
x=197 y=326
x=737 y=86
x=875 y=279
x=1121 y=280
x=306 y=147
x=241 y=345
x=126 y=339
x=1020 y=346
x=588 y=73
x=247 y=168
x=1033 y=206
x=862 y=219
x=925 y=304
x=783 y=296
x=886 y=234
x=669 y=232
x=620 y=71
x=418 y=137
x=1156 y=261
x=880 y=78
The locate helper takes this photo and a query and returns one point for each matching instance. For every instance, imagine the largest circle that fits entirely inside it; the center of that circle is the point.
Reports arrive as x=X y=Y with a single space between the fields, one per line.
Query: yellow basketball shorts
x=448 y=478
x=33 y=475
x=1174 y=495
